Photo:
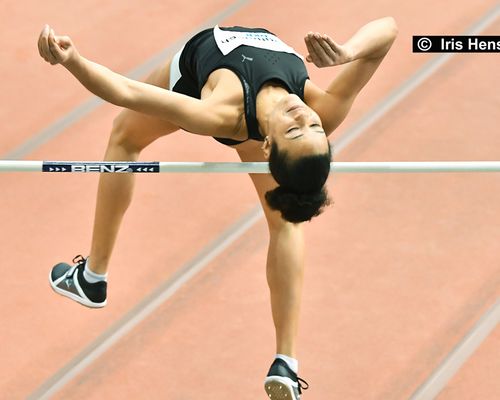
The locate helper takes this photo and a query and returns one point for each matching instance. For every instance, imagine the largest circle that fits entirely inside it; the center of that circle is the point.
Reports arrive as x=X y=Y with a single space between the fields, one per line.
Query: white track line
x=102 y=344
x=147 y=306
x=408 y=86
x=73 y=116
x=459 y=355
x=440 y=377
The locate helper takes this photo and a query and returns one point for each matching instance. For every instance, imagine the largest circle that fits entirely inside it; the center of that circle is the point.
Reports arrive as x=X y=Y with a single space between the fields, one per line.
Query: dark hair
x=301 y=194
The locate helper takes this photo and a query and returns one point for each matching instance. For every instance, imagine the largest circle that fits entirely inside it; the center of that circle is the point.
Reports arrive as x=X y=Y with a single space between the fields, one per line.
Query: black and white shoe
x=68 y=281
x=282 y=383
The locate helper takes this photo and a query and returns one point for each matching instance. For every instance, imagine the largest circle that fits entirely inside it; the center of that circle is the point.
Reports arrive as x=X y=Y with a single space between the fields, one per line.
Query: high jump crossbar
x=242 y=167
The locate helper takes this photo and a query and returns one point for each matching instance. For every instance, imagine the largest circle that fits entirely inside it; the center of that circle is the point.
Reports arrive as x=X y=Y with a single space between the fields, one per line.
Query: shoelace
x=78 y=261
x=303 y=385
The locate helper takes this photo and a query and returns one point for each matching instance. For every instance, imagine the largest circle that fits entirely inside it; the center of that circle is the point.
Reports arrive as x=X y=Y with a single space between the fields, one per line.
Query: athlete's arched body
x=262 y=103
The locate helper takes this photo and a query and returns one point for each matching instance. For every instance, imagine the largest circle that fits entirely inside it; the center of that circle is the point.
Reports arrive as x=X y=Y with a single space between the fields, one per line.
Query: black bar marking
x=102 y=167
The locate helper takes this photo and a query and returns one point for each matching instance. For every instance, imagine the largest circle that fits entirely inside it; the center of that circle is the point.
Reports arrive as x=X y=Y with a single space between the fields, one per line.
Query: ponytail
x=302 y=194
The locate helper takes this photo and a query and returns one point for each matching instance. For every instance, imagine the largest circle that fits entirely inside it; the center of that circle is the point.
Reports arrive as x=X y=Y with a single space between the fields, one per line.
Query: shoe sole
x=74 y=297
x=278 y=389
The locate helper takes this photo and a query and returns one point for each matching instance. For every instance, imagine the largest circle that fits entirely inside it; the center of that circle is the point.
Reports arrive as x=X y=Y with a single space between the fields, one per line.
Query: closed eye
x=318 y=128
x=296 y=128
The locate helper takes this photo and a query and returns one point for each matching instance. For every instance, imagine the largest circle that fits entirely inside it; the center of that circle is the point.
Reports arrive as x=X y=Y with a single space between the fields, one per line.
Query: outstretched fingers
x=312 y=56
x=330 y=47
x=323 y=51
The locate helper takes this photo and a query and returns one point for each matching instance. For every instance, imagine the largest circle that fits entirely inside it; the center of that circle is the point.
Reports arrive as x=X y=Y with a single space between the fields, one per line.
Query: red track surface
x=399 y=269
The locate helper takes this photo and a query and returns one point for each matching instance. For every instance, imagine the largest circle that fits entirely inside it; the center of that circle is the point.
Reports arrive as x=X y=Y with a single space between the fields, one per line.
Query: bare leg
x=131 y=133
x=285 y=266
x=285 y=271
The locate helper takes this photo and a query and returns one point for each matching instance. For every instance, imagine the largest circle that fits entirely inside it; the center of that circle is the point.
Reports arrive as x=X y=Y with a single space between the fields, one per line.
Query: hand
x=324 y=52
x=56 y=49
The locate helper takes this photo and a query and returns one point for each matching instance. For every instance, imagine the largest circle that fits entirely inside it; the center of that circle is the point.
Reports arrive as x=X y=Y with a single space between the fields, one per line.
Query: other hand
x=324 y=52
x=56 y=49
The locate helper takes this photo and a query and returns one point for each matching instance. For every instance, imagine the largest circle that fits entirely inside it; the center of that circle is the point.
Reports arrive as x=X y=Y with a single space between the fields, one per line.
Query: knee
x=277 y=225
x=124 y=134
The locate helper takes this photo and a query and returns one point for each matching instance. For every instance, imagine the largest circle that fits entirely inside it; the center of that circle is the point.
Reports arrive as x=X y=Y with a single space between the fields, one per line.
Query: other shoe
x=69 y=281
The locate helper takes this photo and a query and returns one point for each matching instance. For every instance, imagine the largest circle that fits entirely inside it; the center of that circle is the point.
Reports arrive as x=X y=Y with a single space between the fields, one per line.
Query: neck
x=267 y=98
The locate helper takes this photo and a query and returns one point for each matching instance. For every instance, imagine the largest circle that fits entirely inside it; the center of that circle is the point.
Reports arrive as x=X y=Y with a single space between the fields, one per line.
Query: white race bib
x=227 y=41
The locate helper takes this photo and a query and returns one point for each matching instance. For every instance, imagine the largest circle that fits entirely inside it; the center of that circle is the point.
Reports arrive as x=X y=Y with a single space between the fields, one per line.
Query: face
x=295 y=128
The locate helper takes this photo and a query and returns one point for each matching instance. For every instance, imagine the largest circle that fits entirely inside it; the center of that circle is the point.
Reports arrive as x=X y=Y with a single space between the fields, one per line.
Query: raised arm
x=361 y=54
x=194 y=115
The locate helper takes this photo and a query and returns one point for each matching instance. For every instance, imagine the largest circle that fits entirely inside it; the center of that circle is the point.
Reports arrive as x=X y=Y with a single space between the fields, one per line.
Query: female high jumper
x=250 y=91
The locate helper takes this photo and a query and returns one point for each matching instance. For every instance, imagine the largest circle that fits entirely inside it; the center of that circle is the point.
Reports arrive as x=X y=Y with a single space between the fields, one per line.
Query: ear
x=266 y=147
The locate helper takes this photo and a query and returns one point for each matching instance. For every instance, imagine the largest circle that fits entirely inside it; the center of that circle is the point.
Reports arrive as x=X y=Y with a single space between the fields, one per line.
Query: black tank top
x=253 y=66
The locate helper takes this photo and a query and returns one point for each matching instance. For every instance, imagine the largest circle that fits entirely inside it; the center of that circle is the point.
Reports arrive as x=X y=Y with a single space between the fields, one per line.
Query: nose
x=303 y=115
